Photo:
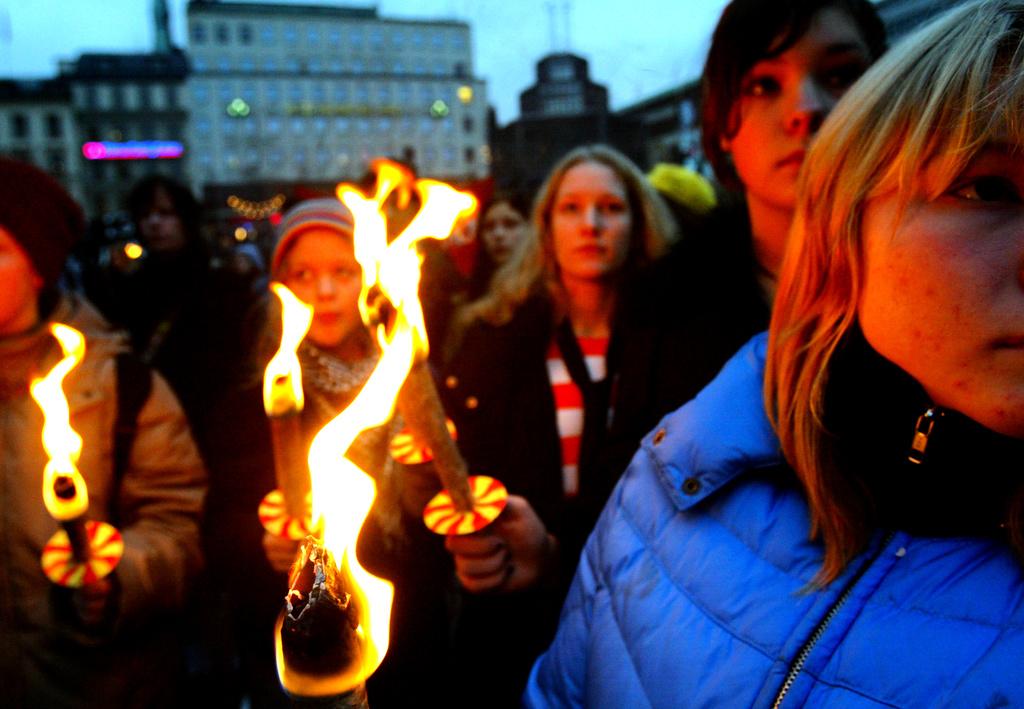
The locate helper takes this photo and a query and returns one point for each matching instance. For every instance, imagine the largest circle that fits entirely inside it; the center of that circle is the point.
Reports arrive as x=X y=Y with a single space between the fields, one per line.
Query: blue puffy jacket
x=693 y=590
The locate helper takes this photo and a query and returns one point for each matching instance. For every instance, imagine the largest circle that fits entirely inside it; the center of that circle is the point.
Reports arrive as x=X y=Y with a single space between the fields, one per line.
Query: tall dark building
x=562 y=111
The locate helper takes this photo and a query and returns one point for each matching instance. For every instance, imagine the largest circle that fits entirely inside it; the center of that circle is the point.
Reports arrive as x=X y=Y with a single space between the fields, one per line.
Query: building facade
x=134 y=105
x=38 y=126
x=309 y=94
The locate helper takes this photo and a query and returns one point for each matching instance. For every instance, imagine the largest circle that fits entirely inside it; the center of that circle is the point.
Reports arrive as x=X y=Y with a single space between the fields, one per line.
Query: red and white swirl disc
x=405 y=450
x=105 y=546
x=441 y=516
x=275 y=518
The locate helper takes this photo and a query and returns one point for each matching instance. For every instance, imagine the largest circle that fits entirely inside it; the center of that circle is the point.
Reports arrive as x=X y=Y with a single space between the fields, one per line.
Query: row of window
x=21 y=126
x=122 y=96
x=325 y=164
x=304 y=125
x=313 y=65
x=359 y=93
x=374 y=37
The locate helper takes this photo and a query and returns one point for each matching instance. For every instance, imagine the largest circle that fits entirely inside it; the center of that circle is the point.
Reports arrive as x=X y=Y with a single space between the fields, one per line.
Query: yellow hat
x=687 y=187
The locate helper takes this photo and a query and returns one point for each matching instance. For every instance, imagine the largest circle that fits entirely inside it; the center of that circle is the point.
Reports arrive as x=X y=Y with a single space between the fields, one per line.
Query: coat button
x=451 y=381
x=659 y=436
x=471 y=402
x=691 y=486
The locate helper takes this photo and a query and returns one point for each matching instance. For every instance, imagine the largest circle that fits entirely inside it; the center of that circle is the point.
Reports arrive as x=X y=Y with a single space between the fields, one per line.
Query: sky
x=635 y=47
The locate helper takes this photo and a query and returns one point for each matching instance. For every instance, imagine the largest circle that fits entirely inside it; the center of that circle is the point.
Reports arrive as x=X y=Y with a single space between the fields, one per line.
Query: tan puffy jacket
x=45 y=658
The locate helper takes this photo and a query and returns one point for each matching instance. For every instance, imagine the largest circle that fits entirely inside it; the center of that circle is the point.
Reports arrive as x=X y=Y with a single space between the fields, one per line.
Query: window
x=362 y=93
x=460 y=70
x=319 y=93
x=203 y=126
x=55 y=162
x=291 y=35
x=341 y=92
x=363 y=125
x=384 y=93
x=19 y=125
x=404 y=94
x=172 y=96
x=221 y=30
x=273 y=125
x=384 y=124
x=313 y=34
x=246 y=64
x=145 y=96
x=224 y=64
x=267 y=34
x=342 y=124
x=198 y=33
x=200 y=93
x=334 y=36
x=245 y=33
x=467 y=124
x=199 y=64
x=376 y=38
x=117 y=93
x=320 y=124
x=470 y=155
x=298 y=125
x=54 y=126
x=225 y=92
x=295 y=92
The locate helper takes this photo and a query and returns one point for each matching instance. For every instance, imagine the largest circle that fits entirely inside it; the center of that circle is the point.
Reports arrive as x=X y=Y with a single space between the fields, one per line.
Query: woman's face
x=944 y=289
x=784 y=99
x=502 y=230
x=321 y=269
x=160 y=227
x=591 y=223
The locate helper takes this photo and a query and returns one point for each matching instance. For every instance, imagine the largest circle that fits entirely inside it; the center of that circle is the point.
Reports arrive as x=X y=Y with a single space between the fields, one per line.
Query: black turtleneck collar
x=967 y=476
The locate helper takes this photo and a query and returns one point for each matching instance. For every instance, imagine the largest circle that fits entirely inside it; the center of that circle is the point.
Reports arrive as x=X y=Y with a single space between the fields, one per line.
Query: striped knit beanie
x=326 y=212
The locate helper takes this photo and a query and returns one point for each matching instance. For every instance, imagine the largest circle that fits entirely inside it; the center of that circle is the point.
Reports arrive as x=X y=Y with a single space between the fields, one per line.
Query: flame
x=343 y=493
x=64 y=491
x=282 y=379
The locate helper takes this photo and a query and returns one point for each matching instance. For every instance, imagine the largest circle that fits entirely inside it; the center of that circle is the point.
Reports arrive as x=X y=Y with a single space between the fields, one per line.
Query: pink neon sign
x=133 y=150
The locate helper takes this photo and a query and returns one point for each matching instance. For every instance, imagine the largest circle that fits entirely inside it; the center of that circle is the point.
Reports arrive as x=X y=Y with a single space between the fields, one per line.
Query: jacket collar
x=721 y=433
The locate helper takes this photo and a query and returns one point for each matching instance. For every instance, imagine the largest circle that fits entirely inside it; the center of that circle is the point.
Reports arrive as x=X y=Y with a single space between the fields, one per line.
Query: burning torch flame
x=64 y=491
x=282 y=379
x=343 y=493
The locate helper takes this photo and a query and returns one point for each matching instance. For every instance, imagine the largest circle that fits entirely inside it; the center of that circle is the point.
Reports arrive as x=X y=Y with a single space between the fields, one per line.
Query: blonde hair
x=934 y=100
x=532 y=268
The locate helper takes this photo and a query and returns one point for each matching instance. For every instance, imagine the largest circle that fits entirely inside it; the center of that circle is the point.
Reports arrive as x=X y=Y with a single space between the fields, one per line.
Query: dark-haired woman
x=774 y=71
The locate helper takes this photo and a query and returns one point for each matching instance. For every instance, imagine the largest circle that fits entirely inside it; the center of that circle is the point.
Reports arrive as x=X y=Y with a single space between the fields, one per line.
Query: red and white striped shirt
x=569 y=403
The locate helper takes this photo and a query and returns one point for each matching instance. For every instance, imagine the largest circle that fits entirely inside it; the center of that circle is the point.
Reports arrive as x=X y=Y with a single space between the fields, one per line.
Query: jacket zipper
x=819 y=630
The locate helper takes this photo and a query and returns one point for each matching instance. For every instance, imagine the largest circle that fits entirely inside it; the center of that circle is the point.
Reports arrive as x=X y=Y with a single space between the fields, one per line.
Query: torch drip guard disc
x=276 y=520
x=60 y=566
x=404 y=448
x=441 y=516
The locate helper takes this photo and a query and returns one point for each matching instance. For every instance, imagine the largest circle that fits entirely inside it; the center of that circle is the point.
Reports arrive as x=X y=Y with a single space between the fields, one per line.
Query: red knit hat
x=327 y=212
x=40 y=215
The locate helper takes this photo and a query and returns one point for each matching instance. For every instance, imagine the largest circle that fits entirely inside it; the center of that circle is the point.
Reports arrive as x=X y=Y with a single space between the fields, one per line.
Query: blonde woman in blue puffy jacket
x=876 y=559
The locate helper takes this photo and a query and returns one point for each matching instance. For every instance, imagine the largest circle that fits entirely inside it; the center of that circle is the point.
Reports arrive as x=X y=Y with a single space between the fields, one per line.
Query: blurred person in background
x=116 y=641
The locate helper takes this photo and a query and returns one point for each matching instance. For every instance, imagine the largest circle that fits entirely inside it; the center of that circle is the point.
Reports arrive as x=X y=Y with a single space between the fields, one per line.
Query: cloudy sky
x=637 y=48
